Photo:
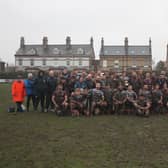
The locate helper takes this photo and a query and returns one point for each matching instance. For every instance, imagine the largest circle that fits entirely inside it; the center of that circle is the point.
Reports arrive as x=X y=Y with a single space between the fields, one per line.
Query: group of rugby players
x=94 y=93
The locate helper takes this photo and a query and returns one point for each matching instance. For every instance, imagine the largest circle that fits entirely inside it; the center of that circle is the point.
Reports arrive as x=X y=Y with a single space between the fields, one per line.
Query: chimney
x=22 y=42
x=68 y=42
x=45 y=42
x=126 y=41
x=91 y=42
x=150 y=46
x=126 y=45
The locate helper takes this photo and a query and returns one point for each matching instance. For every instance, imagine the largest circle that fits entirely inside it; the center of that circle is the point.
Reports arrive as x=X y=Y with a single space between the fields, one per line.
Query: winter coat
x=40 y=85
x=29 y=85
x=51 y=84
x=18 y=91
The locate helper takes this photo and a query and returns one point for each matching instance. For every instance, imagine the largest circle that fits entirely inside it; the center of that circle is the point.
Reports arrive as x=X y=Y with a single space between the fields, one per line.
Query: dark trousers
x=40 y=98
x=19 y=108
x=49 y=101
x=29 y=98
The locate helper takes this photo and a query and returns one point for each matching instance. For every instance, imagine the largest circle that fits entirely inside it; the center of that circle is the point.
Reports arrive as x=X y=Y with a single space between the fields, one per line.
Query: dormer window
x=56 y=51
x=31 y=52
x=80 y=51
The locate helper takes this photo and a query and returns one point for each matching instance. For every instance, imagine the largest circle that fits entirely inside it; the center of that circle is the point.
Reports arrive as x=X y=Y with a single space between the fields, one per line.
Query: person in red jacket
x=18 y=93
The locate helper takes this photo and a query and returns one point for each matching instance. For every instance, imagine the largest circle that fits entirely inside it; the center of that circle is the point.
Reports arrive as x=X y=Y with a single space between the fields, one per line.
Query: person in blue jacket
x=80 y=84
x=29 y=85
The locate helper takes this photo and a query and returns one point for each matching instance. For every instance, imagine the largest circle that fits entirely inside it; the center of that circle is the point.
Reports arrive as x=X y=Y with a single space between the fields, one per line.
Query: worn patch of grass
x=40 y=140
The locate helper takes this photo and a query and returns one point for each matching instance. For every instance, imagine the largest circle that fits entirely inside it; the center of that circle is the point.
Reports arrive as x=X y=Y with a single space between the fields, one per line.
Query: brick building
x=122 y=57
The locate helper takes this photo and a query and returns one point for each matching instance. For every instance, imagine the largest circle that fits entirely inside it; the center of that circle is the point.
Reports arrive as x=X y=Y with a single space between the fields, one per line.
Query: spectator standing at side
x=18 y=93
x=29 y=85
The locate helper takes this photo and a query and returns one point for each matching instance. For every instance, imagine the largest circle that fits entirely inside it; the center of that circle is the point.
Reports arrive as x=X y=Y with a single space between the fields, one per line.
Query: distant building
x=2 y=66
x=46 y=56
x=122 y=57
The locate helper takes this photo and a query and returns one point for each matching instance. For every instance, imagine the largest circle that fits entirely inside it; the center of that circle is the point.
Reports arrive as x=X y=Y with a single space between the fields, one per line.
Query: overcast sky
x=81 y=19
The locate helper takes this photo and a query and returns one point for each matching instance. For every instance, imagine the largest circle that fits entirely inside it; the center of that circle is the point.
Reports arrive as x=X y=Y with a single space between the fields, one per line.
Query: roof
x=120 y=50
x=56 y=50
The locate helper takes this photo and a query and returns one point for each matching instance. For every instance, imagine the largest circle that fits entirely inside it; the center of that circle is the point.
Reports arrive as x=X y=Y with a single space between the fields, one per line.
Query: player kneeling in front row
x=119 y=99
x=59 y=99
x=131 y=99
x=97 y=100
x=77 y=103
x=142 y=106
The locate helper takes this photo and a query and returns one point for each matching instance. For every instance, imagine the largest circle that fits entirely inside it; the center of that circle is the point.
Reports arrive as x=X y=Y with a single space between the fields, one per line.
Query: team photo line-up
x=92 y=93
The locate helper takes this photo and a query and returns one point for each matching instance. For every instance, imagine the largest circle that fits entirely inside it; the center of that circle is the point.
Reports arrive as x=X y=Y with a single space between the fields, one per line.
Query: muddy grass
x=43 y=140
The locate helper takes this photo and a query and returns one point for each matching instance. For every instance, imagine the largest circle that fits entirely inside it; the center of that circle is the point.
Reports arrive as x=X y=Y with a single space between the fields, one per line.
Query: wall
x=50 y=61
x=123 y=61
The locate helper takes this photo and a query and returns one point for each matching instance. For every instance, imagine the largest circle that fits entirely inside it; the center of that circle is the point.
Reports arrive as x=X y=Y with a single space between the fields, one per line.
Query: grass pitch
x=43 y=140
